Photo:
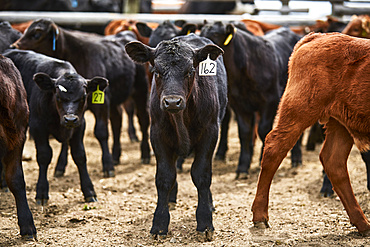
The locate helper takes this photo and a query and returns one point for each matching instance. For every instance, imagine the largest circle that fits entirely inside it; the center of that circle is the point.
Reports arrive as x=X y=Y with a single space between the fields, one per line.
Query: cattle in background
x=207 y=7
x=359 y=26
x=327 y=82
x=165 y=31
x=57 y=104
x=8 y=35
x=95 y=55
x=22 y=26
x=13 y=126
x=257 y=73
x=113 y=28
x=117 y=26
x=186 y=110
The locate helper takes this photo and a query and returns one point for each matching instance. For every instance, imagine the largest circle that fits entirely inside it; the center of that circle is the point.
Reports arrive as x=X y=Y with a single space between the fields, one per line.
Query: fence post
x=132 y=6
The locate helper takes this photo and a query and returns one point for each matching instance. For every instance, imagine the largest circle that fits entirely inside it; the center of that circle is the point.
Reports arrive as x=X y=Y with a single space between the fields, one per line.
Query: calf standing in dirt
x=14 y=114
x=186 y=109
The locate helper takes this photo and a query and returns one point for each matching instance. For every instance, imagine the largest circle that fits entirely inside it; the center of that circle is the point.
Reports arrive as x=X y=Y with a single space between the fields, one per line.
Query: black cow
x=14 y=114
x=57 y=104
x=186 y=110
x=94 y=55
x=8 y=35
x=257 y=73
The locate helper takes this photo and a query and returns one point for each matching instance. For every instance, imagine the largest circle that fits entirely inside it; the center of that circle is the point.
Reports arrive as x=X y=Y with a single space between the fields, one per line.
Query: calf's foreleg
x=79 y=157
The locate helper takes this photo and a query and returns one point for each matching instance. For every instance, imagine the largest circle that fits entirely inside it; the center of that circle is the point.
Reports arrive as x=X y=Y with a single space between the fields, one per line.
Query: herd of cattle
x=200 y=74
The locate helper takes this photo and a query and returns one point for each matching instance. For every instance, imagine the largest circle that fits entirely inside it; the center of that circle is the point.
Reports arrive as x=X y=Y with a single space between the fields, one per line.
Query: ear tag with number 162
x=207 y=67
x=98 y=96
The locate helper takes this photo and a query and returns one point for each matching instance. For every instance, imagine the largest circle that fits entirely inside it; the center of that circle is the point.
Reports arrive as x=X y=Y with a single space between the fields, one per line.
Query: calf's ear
x=201 y=54
x=93 y=84
x=144 y=29
x=44 y=81
x=188 y=29
x=230 y=31
x=139 y=52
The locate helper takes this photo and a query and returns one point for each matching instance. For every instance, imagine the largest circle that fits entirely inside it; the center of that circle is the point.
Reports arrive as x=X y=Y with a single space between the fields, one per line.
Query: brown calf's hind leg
x=277 y=144
x=333 y=156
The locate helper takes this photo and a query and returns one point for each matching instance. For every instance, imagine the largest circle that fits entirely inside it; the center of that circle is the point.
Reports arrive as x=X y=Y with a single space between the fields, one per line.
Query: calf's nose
x=173 y=104
x=70 y=120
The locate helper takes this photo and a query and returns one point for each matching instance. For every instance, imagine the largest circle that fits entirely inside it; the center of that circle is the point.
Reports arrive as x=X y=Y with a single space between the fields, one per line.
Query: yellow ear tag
x=130 y=28
x=188 y=32
x=98 y=96
x=228 y=39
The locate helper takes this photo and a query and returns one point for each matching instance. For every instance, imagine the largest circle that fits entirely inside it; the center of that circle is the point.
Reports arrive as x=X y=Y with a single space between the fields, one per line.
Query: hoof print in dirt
x=261 y=225
x=109 y=174
x=91 y=199
x=205 y=236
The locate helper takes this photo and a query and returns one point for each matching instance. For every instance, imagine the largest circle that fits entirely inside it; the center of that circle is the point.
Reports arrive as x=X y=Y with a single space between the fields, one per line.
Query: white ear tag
x=207 y=67
x=61 y=88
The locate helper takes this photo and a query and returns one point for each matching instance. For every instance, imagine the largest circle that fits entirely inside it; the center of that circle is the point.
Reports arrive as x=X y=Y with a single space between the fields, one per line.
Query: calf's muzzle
x=71 y=121
x=173 y=103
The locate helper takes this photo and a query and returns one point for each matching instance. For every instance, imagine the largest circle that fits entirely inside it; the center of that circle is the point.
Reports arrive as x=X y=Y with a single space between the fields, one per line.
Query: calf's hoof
x=261 y=224
x=58 y=173
x=42 y=202
x=5 y=189
x=220 y=157
x=242 y=175
x=329 y=194
x=296 y=164
x=134 y=139
x=109 y=174
x=29 y=237
x=91 y=199
x=205 y=236
x=145 y=161
x=156 y=236
x=171 y=205
x=365 y=233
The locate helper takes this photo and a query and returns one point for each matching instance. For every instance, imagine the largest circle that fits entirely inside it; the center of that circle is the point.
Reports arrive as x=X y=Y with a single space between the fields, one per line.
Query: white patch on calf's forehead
x=61 y=88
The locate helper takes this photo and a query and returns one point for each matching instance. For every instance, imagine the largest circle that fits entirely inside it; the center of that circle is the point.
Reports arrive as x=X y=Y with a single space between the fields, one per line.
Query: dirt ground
x=123 y=214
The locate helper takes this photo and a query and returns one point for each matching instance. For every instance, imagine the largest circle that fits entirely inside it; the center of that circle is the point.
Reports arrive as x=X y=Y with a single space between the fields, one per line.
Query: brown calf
x=328 y=81
x=14 y=114
x=117 y=26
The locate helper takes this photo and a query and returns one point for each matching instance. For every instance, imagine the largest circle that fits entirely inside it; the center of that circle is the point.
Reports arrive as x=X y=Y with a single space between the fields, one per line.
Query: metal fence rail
x=86 y=18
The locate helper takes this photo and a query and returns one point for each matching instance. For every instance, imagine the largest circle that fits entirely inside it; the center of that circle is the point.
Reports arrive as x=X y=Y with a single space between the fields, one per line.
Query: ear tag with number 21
x=98 y=96
x=207 y=67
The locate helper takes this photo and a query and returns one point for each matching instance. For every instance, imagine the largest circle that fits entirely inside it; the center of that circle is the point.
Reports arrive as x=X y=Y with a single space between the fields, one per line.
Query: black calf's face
x=70 y=94
x=175 y=66
x=41 y=36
